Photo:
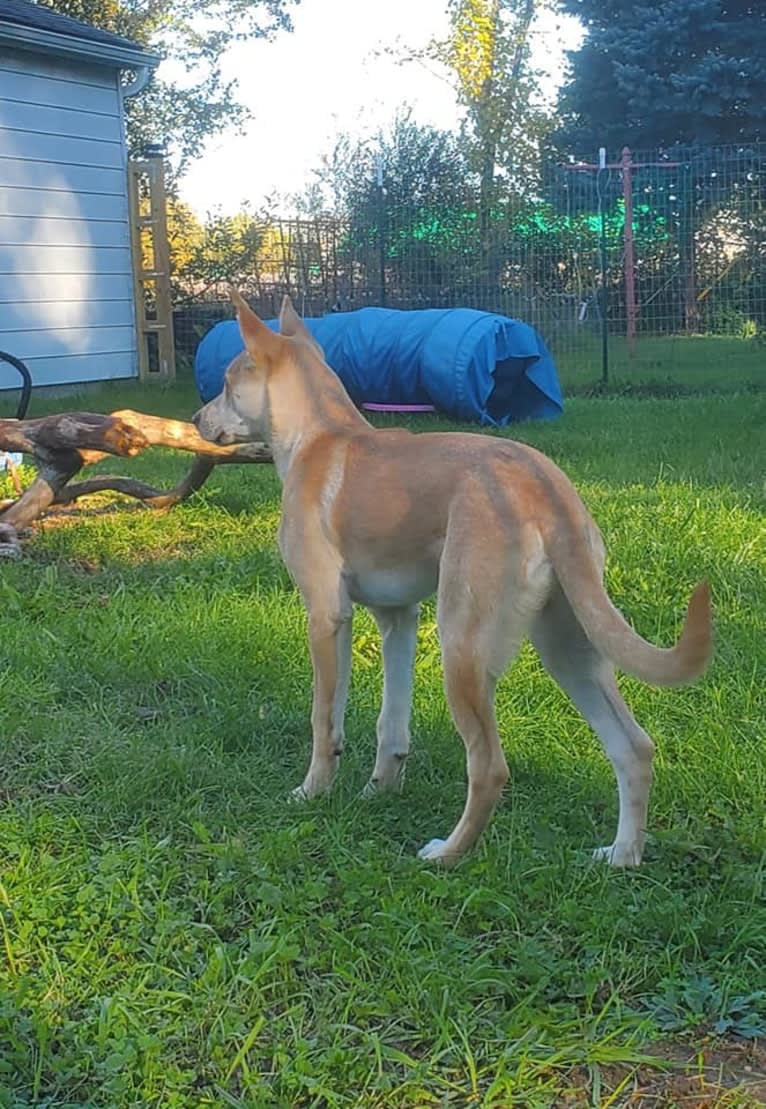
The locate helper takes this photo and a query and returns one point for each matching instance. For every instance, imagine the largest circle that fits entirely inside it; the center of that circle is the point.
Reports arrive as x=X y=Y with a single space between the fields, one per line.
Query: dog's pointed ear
x=260 y=340
x=291 y=325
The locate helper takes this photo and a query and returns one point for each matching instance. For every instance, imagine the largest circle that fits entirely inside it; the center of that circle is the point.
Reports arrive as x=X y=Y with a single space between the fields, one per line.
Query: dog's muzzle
x=203 y=426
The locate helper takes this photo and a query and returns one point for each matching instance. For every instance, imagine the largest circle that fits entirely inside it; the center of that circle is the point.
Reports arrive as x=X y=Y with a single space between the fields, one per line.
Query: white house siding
x=66 y=293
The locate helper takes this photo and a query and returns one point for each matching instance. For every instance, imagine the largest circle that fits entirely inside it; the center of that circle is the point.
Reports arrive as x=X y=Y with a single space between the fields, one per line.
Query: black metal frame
x=26 y=378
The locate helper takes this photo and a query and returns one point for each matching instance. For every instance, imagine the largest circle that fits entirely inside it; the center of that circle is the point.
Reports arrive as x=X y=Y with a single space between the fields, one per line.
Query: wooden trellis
x=151 y=270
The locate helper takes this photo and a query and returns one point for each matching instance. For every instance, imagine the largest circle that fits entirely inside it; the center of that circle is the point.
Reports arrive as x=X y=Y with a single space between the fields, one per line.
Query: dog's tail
x=610 y=633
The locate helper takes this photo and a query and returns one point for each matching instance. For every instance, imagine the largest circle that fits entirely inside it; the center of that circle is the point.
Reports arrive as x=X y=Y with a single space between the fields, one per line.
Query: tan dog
x=385 y=518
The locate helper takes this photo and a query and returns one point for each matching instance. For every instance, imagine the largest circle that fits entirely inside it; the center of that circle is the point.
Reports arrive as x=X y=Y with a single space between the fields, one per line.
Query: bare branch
x=129 y=487
x=71 y=430
x=179 y=435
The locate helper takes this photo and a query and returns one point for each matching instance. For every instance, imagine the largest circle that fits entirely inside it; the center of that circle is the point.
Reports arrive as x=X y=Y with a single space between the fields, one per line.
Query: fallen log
x=54 y=441
x=52 y=476
x=179 y=435
x=72 y=431
x=63 y=444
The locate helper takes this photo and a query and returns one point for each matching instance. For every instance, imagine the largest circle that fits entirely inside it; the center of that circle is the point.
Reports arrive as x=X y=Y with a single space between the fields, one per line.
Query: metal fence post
x=381 y=226
x=602 y=169
x=630 y=260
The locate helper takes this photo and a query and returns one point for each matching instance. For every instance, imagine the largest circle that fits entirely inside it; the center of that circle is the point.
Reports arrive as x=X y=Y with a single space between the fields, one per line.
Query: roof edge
x=52 y=42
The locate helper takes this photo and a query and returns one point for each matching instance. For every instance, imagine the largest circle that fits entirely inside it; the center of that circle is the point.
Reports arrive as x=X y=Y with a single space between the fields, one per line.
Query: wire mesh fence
x=648 y=268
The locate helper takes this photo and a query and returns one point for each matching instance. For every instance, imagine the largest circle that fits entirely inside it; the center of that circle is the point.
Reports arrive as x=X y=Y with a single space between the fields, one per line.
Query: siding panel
x=66 y=293
x=61 y=204
x=61 y=69
x=37 y=147
x=37 y=88
x=70 y=369
x=28 y=259
x=45 y=288
x=73 y=341
x=78 y=232
x=19 y=173
x=19 y=116
x=37 y=316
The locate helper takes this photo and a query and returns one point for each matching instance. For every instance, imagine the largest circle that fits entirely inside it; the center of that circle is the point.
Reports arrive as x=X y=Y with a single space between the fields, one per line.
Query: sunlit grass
x=174 y=934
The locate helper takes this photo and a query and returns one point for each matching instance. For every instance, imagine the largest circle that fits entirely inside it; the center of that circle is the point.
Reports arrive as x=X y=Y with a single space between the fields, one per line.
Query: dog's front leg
x=330 y=643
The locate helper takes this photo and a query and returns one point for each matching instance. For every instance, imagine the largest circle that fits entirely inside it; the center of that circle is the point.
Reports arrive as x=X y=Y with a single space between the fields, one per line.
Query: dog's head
x=240 y=413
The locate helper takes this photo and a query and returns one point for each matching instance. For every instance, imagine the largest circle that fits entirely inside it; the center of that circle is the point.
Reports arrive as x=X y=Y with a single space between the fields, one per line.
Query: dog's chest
x=402 y=585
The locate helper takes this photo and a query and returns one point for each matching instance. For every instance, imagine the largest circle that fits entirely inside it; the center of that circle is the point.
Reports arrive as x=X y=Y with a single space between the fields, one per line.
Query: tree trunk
x=490 y=117
x=486 y=126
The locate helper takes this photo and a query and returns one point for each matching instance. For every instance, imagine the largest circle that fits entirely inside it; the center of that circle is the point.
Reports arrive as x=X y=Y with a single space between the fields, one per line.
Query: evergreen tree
x=677 y=77
x=656 y=73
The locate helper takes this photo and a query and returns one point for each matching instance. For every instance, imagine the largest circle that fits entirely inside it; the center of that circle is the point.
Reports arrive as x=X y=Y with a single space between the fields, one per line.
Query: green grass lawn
x=174 y=934
x=663 y=365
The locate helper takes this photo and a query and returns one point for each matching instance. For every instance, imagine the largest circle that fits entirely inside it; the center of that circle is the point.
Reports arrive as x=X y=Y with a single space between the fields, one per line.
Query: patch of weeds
x=700 y=1003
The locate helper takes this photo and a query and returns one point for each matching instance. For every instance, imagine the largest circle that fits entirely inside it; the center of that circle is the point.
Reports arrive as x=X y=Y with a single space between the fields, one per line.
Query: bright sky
x=328 y=76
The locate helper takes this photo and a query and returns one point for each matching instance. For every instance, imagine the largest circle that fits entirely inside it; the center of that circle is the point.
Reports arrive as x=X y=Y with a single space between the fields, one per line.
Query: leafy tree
x=185 y=235
x=250 y=250
x=183 y=110
x=222 y=250
x=423 y=167
x=404 y=235
x=486 y=56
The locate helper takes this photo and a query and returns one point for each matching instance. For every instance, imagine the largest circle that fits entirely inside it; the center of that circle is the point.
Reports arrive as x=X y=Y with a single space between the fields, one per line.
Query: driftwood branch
x=154 y=498
x=52 y=476
x=179 y=435
x=63 y=444
x=72 y=431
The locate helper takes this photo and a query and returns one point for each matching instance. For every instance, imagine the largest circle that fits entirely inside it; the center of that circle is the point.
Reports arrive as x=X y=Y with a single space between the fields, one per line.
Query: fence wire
x=681 y=296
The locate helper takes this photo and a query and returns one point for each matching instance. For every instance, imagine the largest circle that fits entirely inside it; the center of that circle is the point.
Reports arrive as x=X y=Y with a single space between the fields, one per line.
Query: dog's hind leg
x=470 y=692
x=481 y=626
x=589 y=680
x=399 y=631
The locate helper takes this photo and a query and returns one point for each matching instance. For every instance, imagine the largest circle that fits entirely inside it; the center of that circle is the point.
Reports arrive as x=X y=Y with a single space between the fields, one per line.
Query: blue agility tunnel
x=472 y=366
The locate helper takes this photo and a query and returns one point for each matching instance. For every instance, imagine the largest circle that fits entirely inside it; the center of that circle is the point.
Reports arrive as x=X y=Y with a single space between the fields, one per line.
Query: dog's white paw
x=387 y=777
x=619 y=854
x=314 y=785
x=297 y=796
x=433 y=850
